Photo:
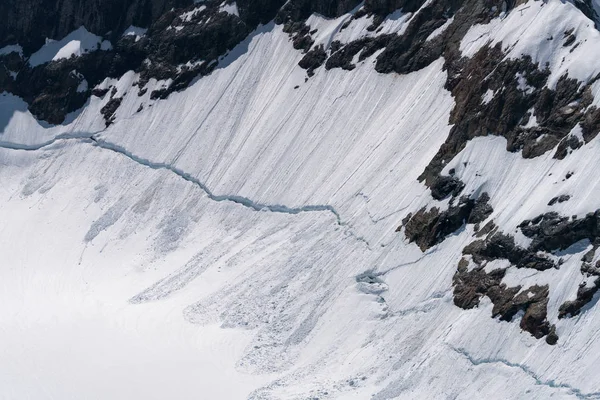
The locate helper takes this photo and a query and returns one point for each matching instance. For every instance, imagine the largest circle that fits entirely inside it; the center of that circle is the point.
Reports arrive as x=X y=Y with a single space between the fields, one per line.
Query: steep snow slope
x=341 y=139
x=238 y=240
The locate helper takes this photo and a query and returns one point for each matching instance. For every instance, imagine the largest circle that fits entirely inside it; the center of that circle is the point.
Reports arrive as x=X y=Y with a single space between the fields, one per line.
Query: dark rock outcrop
x=585 y=294
x=445 y=186
x=471 y=285
x=551 y=232
x=108 y=111
x=313 y=60
x=428 y=228
x=559 y=199
x=500 y=246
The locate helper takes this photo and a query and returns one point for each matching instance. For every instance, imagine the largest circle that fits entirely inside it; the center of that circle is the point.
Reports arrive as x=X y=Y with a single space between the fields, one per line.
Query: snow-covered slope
x=248 y=236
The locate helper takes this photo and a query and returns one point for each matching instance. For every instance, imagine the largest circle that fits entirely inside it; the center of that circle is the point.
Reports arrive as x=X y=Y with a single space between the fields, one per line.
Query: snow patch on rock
x=74 y=44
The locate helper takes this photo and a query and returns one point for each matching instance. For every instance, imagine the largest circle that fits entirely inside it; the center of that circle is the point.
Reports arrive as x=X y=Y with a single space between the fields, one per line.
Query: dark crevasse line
x=549 y=383
x=39 y=146
x=241 y=200
x=244 y=201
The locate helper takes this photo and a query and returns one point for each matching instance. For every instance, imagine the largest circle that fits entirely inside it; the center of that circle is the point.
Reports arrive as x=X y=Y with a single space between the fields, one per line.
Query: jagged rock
x=160 y=54
x=585 y=294
x=481 y=210
x=422 y=228
x=428 y=228
x=445 y=186
x=549 y=232
x=303 y=42
x=313 y=60
x=566 y=145
x=385 y=7
x=342 y=58
x=534 y=321
x=590 y=270
x=501 y=246
x=589 y=256
x=552 y=232
x=470 y=286
x=108 y=111
x=557 y=111
x=552 y=337
x=590 y=126
x=569 y=38
x=559 y=199
x=32 y=21
x=487 y=228
x=99 y=92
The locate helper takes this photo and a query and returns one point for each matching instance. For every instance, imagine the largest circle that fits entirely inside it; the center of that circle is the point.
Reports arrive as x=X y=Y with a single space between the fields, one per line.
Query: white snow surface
x=229 y=8
x=537 y=29
x=208 y=245
x=135 y=31
x=75 y=44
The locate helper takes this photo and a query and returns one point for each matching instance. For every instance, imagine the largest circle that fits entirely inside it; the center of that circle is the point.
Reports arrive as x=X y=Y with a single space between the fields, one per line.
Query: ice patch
x=522 y=84
x=229 y=8
x=441 y=29
x=75 y=44
x=487 y=96
x=83 y=86
x=135 y=31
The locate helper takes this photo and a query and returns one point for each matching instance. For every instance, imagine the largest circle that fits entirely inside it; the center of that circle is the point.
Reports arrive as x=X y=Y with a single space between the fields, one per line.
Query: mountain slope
x=387 y=201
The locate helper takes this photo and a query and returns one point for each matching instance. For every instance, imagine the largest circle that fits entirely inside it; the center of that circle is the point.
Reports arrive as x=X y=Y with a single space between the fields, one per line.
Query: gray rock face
x=30 y=22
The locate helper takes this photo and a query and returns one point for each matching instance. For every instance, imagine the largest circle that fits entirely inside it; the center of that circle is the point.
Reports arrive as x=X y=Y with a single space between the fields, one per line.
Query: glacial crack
x=244 y=201
x=84 y=136
x=241 y=200
x=538 y=381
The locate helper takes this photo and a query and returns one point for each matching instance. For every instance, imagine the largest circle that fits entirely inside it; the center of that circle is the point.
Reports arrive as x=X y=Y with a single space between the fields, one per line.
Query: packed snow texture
x=237 y=240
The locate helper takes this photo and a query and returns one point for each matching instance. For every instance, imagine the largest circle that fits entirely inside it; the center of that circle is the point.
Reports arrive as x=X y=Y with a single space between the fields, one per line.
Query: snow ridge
x=550 y=383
